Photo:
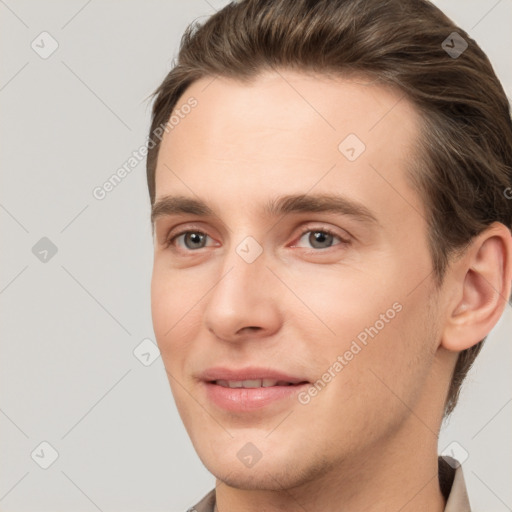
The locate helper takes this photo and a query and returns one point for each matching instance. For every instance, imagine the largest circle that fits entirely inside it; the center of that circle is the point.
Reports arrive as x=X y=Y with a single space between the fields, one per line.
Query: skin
x=368 y=440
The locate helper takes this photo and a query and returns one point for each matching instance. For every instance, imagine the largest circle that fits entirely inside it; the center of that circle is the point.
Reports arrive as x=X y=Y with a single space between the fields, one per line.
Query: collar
x=453 y=486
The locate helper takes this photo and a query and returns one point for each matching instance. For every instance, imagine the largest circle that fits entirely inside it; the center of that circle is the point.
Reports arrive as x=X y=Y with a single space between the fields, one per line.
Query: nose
x=244 y=302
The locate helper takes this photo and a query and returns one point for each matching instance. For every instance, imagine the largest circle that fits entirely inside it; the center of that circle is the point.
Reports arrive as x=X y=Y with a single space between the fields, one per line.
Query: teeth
x=252 y=383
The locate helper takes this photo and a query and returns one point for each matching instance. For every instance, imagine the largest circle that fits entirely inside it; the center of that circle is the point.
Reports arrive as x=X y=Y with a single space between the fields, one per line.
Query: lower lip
x=249 y=399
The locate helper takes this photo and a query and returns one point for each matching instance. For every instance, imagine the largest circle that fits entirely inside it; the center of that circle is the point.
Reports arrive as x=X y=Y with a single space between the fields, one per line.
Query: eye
x=188 y=240
x=316 y=238
x=319 y=238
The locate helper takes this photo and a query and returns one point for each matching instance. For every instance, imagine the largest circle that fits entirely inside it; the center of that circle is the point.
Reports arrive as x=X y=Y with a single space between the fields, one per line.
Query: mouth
x=250 y=389
x=251 y=383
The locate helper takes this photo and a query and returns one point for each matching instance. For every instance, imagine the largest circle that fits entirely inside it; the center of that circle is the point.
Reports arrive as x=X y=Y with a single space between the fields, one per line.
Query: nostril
x=250 y=327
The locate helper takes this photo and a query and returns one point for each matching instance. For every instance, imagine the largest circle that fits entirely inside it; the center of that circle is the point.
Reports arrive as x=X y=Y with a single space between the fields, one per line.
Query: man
x=332 y=245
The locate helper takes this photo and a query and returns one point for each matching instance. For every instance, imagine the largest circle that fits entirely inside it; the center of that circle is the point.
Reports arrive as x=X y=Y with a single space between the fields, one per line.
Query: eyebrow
x=282 y=205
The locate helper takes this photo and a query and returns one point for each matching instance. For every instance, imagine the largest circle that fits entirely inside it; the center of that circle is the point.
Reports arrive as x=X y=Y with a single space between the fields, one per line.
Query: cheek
x=377 y=329
x=395 y=363
x=173 y=314
x=377 y=379
x=162 y=305
x=340 y=303
x=174 y=293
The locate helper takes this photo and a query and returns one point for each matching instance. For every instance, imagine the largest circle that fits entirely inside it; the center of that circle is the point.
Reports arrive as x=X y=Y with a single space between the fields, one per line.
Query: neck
x=372 y=484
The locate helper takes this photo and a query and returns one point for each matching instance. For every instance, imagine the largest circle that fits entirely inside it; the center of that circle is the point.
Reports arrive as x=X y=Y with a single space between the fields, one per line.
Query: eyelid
x=183 y=228
x=313 y=227
x=174 y=234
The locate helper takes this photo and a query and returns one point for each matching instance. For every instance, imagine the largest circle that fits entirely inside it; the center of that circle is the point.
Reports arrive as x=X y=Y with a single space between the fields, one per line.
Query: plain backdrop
x=75 y=271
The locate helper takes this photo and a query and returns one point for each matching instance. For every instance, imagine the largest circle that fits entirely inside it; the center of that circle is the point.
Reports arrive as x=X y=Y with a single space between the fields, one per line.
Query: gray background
x=70 y=325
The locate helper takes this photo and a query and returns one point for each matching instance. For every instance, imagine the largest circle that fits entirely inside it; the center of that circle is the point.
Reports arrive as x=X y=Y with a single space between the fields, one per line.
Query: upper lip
x=248 y=373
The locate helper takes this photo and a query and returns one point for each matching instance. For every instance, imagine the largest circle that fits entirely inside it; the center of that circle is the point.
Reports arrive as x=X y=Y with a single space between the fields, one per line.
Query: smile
x=252 y=383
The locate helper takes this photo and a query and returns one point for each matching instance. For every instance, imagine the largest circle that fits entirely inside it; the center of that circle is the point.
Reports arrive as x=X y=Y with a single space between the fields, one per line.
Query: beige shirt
x=451 y=481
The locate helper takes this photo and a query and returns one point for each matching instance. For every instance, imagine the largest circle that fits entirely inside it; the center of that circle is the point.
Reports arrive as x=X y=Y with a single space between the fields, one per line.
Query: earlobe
x=483 y=279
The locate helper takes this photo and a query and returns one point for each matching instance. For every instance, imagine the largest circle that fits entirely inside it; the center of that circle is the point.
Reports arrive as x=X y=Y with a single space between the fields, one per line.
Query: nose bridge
x=240 y=298
x=243 y=269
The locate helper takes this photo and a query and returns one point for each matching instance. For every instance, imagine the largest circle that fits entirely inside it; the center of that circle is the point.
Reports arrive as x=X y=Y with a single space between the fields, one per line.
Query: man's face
x=295 y=295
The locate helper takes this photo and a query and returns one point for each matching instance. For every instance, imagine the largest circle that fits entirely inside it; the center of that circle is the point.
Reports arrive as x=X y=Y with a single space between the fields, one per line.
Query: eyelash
x=170 y=240
x=327 y=231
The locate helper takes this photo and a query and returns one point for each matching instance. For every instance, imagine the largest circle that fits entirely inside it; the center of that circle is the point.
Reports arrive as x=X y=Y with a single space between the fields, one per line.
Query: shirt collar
x=453 y=485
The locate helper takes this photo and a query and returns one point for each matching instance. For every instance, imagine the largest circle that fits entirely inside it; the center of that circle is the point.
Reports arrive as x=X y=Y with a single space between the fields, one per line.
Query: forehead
x=286 y=132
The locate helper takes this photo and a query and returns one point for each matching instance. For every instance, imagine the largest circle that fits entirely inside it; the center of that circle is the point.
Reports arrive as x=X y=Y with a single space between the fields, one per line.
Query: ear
x=481 y=284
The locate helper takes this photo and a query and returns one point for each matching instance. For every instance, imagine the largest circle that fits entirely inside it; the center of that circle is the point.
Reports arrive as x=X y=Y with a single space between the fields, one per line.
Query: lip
x=249 y=399
x=248 y=373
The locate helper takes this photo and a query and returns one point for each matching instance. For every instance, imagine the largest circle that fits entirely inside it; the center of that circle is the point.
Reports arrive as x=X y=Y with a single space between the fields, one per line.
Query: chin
x=273 y=474
x=251 y=482
x=253 y=479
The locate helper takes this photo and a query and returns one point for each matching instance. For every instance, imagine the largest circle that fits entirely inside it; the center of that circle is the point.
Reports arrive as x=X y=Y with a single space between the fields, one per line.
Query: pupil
x=196 y=238
x=319 y=237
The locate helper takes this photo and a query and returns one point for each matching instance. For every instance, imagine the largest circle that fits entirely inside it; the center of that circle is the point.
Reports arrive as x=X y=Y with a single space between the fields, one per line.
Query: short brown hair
x=464 y=153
